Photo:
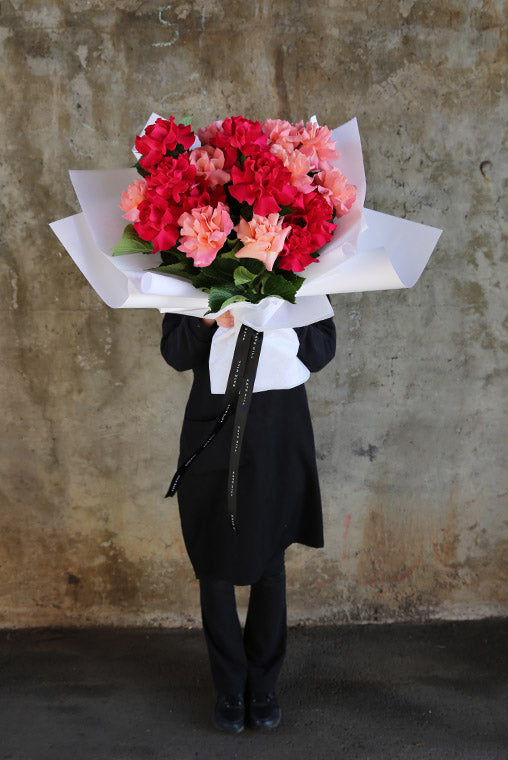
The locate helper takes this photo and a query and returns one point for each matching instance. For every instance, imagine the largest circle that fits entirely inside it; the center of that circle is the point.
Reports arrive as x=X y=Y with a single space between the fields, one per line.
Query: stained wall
x=408 y=418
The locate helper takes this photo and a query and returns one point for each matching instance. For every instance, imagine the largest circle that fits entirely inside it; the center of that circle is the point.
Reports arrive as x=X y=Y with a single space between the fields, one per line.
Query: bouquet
x=238 y=212
x=263 y=219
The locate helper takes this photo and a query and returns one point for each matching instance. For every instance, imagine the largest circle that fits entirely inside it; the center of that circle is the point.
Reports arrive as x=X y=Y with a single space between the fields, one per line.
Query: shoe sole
x=263 y=726
x=232 y=730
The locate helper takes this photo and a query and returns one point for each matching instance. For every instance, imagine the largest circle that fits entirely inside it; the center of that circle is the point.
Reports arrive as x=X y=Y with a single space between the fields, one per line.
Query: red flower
x=172 y=178
x=198 y=196
x=263 y=182
x=160 y=138
x=312 y=227
x=314 y=213
x=239 y=134
x=297 y=249
x=157 y=222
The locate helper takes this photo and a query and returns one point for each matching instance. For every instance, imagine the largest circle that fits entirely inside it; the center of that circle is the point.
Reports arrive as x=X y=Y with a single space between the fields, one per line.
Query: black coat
x=279 y=501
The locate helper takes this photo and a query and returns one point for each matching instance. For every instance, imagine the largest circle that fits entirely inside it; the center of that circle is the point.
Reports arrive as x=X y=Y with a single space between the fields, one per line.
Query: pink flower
x=282 y=133
x=209 y=163
x=204 y=232
x=263 y=238
x=299 y=166
x=333 y=186
x=206 y=134
x=131 y=198
x=317 y=146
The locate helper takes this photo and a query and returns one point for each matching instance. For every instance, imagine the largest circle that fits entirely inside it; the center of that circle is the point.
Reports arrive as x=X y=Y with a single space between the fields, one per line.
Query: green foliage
x=140 y=170
x=221 y=296
x=242 y=275
x=130 y=242
x=179 y=268
x=228 y=279
x=279 y=285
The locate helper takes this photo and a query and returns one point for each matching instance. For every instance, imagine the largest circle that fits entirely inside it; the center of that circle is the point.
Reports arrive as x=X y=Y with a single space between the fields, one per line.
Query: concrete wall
x=408 y=423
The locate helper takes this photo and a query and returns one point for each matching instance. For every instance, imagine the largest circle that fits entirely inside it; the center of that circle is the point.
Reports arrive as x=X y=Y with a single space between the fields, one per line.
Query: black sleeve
x=317 y=344
x=185 y=341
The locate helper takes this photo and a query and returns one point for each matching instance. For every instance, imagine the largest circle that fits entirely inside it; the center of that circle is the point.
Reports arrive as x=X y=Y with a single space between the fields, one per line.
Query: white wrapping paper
x=369 y=251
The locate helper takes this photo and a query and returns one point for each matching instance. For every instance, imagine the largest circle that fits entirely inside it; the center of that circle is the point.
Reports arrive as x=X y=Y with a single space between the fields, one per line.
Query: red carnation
x=263 y=182
x=172 y=178
x=314 y=213
x=157 y=222
x=160 y=138
x=319 y=219
x=239 y=134
x=297 y=249
x=199 y=196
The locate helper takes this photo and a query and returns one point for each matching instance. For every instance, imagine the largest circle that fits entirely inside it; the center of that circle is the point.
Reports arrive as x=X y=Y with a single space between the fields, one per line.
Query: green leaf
x=286 y=210
x=179 y=268
x=233 y=299
x=131 y=243
x=220 y=294
x=140 y=170
x=187 y=120
x=171 y=256
x=242 y=275
x=277 y=285
x=208 y=278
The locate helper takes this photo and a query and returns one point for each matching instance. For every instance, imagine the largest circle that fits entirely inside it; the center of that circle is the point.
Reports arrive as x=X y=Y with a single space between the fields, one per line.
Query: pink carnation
x=263 y=238
x=316 y=144
x=282 y=133
x=204 y=232
x=333 y=186
x=131 y=198
x=299 y=166
x=209 y=163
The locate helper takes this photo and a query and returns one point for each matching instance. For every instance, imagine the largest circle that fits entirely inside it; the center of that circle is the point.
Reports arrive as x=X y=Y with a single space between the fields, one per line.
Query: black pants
x=253 y=660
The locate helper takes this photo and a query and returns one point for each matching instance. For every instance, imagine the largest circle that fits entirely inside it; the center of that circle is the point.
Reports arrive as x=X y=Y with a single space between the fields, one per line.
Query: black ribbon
x=239 y=390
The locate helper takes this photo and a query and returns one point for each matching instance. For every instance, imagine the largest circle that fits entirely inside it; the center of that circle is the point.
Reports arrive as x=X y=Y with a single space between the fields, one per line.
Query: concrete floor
x=401 y=691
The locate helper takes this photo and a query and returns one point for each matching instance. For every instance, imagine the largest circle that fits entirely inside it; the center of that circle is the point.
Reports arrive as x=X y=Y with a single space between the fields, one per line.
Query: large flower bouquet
x=238 y=212
x=257 y=218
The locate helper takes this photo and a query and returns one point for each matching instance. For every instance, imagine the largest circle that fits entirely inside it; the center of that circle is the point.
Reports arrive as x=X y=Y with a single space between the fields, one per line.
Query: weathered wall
x=407 y=418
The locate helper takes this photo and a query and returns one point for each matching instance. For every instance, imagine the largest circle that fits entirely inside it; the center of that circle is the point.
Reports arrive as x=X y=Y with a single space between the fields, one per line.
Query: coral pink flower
x=209 y=163
x=299 y=166
x=317 y=146
x=282 y=133
x=131 y=198
x=333 y=186
x=263 y=238
x=204 y=232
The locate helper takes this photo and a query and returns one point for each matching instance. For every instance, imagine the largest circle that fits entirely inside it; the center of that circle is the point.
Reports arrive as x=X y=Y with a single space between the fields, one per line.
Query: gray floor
x=404 y=691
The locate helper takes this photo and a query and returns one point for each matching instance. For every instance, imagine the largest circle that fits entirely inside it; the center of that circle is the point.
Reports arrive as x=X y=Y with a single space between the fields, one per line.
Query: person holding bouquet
x=278 y=504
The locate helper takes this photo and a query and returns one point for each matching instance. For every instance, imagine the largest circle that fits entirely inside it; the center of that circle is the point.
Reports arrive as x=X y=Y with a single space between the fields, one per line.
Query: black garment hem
x=204 y=574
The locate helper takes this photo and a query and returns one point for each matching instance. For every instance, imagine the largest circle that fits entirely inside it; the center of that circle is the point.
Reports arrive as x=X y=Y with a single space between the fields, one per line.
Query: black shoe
x=264 y=710
x=229 y=714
